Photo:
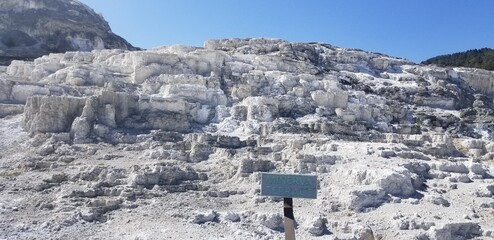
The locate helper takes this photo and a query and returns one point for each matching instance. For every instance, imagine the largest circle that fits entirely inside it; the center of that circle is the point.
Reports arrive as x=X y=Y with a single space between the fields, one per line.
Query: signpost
x=289 y=186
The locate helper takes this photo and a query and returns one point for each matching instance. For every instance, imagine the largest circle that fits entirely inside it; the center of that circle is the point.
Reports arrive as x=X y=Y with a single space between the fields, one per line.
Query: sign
x=288 y=185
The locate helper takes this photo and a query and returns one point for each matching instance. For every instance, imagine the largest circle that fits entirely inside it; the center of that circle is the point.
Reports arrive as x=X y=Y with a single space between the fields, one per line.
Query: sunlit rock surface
x=180 y=134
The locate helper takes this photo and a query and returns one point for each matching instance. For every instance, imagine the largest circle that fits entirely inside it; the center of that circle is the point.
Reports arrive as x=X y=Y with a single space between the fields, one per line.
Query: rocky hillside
x=32 y=28
x=170 y=142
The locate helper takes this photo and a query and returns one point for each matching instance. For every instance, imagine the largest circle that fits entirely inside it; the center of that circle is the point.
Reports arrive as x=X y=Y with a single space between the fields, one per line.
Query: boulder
x=364 y=197
x=452 y=167
x=456 y=231
x=397 y=182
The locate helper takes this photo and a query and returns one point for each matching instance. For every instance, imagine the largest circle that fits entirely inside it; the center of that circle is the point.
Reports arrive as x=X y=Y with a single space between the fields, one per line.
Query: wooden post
x=289 y=186
x=289 y=219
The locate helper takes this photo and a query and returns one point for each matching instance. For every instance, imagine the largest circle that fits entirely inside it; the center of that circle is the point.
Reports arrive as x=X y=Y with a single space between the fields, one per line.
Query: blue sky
x=413 y=29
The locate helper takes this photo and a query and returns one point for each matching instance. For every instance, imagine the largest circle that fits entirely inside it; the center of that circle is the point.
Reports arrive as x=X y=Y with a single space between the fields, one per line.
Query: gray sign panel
x=289 y=185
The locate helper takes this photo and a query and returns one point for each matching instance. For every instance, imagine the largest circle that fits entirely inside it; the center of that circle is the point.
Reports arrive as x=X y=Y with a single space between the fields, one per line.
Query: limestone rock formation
x=182 y=133
x=32 y=28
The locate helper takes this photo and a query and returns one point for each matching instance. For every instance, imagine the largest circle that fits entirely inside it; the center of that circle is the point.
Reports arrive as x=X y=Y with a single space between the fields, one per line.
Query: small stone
x=453 y=179
x=231 y=217
x=397 y=216
x=334 y=147
x=317 y=226
x=273 y=221
x=403 y=224
x=46 y=150
x=438 y=200
x=205 y=217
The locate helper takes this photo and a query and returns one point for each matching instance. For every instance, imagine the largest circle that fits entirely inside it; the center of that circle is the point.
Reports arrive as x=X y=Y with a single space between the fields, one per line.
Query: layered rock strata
x=114 y=128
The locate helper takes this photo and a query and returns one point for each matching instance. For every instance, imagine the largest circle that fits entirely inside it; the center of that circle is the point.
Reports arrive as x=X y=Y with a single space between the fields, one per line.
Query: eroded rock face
x=31 y=28
x=395 y=146
x=256 y=80
x=51 y=114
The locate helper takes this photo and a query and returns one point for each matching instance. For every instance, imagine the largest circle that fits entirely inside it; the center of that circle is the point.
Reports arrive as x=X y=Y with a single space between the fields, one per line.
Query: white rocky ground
x=169 y=144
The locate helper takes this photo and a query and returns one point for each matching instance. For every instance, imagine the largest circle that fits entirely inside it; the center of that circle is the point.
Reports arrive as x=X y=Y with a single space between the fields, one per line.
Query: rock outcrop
x=32 y=28
x=323 y=88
